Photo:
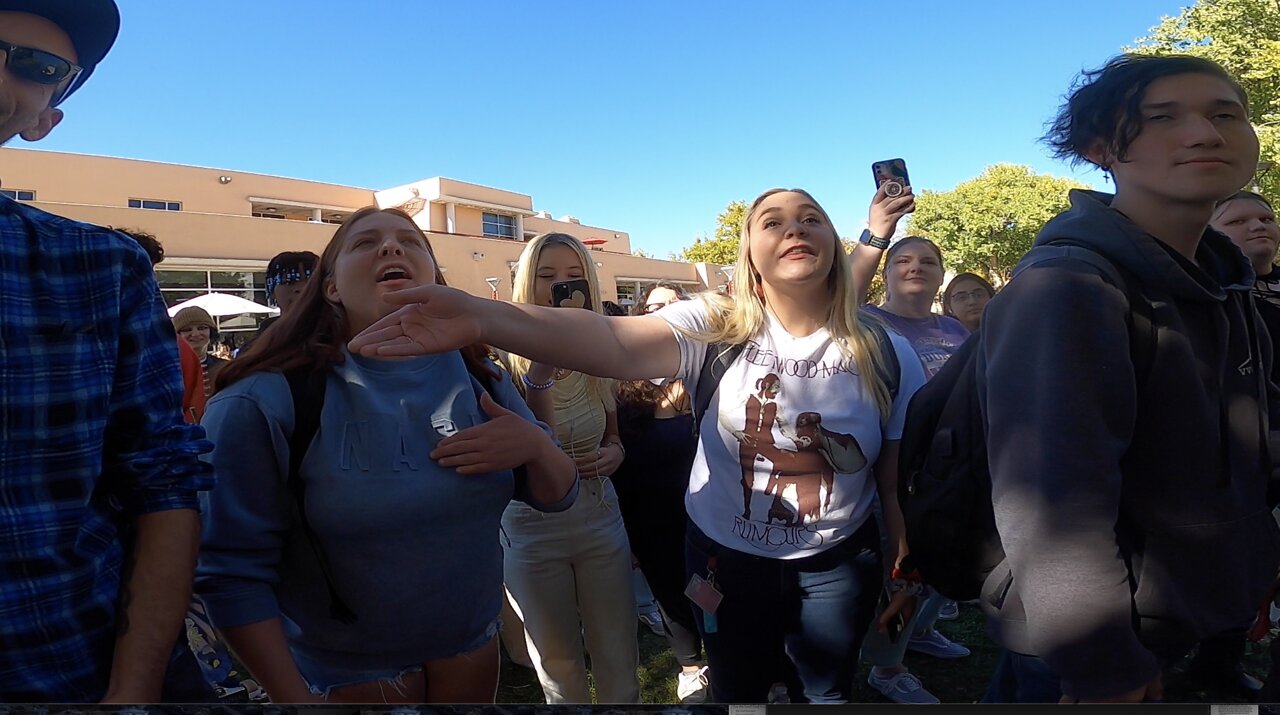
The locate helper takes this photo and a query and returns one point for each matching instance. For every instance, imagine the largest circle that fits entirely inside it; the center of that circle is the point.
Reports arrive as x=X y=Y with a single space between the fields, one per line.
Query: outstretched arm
x=437 y=319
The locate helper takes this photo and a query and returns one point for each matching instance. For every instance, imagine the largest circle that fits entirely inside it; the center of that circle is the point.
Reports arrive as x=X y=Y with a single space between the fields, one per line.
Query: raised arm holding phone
x=892 y=201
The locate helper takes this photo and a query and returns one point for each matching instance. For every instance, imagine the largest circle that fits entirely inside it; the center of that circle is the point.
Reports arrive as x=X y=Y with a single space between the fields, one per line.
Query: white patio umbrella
x=220 y=304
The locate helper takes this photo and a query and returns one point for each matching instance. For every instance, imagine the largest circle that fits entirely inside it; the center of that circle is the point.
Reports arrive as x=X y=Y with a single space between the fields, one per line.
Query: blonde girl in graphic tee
x=782 y=548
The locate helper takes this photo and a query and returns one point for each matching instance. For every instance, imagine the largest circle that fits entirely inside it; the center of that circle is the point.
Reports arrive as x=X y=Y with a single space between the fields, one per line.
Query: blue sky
x=645 y=116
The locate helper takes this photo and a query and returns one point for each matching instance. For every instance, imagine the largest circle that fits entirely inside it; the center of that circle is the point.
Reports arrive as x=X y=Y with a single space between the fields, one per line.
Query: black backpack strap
x=891 y=374
x=307 y=386
x=719 y=357
x=1141 y=316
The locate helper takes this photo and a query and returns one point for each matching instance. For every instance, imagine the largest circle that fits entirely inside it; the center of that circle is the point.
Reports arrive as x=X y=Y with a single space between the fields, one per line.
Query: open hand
x=886 y=212
x=505 y=442
x=903 y=601
x=434 y=319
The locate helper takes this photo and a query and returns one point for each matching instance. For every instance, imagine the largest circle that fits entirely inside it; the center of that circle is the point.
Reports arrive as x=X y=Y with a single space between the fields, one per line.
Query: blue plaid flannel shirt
x=91 y=433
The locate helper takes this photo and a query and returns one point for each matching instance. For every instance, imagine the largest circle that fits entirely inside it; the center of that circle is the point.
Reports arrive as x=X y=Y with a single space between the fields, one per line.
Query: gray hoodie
x=1133 y=516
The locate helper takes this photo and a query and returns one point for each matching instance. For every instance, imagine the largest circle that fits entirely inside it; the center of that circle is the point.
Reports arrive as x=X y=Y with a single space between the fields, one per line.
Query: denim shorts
x=323 y=677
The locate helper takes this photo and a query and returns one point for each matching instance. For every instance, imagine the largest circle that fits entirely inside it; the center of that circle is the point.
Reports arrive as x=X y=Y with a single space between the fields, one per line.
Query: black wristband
x=873 y=240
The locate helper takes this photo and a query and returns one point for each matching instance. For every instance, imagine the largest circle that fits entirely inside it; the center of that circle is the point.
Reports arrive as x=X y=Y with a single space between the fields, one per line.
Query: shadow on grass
x=963 y=680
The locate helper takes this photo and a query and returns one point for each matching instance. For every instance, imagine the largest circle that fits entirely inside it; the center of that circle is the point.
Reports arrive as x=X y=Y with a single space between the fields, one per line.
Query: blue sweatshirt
x=413 y=547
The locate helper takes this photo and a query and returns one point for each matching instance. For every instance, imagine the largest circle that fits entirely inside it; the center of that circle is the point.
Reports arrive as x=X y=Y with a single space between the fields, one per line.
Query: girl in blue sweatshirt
x=385 y=586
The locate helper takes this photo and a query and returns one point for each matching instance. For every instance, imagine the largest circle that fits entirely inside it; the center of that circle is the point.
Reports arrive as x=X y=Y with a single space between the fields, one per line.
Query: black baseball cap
x=92 y=26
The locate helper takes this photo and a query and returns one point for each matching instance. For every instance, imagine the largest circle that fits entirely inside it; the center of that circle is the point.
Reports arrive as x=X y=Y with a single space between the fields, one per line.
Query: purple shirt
x=934 y=338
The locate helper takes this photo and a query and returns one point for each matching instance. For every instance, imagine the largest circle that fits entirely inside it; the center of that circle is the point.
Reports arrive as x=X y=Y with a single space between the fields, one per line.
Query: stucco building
x=219 y=227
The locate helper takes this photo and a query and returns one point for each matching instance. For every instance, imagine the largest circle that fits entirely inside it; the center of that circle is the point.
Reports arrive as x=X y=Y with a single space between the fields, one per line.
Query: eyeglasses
x=969 y=296
x=40 y=67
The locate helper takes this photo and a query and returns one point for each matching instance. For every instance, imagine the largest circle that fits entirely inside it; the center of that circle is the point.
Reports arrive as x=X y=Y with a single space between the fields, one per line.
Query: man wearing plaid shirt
x=98 y=471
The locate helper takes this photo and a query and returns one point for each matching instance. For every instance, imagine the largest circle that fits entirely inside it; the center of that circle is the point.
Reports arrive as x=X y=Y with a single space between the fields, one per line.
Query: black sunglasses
x=39 y=67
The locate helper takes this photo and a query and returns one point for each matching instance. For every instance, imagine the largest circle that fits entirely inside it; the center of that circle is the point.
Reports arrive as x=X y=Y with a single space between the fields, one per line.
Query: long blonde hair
x=735 y=320
x=526 y=287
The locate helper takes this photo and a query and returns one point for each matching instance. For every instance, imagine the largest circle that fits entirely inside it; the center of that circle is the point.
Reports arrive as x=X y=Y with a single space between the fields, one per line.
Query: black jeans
x=654 y=516
x=815 y=610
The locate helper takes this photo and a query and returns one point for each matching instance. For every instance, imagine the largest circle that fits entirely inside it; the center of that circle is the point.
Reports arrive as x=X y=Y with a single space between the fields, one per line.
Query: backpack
x=944 y=479
x=307 y=387
x=721 y=355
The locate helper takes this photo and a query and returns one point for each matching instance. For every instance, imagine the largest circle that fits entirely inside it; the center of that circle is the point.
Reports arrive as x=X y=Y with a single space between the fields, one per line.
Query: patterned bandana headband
x=285 y=276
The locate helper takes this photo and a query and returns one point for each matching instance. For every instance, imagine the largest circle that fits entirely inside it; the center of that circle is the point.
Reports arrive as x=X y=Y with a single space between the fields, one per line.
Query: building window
x=178 y=286
x=19 y=194
x=499 y=225
x=155 y=204
x=627 y=293
x=259 y=214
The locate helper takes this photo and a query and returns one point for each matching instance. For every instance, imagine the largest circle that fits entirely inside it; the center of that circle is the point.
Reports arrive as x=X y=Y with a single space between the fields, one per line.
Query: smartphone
x=571 y=294
x=898 y=623
x=892 y=174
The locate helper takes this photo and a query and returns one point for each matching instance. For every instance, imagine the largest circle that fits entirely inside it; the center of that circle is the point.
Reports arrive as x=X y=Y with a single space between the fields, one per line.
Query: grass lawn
x=952 y=681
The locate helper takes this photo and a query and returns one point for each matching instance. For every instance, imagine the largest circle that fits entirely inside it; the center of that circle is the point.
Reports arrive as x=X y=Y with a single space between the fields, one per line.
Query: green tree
x=1244 y=37
x=722 y=248
x=986 y=224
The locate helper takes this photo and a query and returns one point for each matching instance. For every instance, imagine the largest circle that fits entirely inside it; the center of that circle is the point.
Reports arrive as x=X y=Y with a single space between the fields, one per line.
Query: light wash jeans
x=568 y=575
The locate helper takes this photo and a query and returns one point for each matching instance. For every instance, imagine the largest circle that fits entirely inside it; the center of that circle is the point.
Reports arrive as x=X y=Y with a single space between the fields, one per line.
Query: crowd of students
x=369 y=485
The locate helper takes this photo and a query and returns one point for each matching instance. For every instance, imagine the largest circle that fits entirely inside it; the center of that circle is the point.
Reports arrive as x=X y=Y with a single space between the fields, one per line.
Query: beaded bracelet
x=537 y=386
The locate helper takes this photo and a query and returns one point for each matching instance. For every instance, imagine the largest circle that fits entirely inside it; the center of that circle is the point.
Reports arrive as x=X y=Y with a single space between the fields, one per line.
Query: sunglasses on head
x=39 y=67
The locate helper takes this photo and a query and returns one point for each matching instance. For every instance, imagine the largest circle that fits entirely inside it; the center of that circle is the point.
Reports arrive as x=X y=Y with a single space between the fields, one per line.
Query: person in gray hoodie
x=1131 y=503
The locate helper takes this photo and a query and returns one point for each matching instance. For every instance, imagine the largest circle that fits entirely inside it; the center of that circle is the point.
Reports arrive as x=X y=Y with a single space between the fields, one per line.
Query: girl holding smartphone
x=569 y=574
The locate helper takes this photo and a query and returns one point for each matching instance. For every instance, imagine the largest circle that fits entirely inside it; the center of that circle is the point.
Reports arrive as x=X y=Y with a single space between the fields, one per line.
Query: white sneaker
x=903 y=688
x=778 y=695
x=691 y=687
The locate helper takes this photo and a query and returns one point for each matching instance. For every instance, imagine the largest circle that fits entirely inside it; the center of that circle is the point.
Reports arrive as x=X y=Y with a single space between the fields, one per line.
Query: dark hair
x=1105 y=104
x=946 y=294
x=148 y=241
x=638 y=307
x=314 y=333
x=1247 y=196
x=644 y=395
x=612 y=309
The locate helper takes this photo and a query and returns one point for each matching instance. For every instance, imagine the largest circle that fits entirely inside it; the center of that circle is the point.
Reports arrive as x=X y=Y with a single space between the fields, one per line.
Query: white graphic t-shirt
x=788 y=442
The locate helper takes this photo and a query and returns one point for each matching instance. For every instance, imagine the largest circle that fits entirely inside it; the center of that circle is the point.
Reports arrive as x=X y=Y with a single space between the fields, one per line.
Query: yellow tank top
x=580 y=417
